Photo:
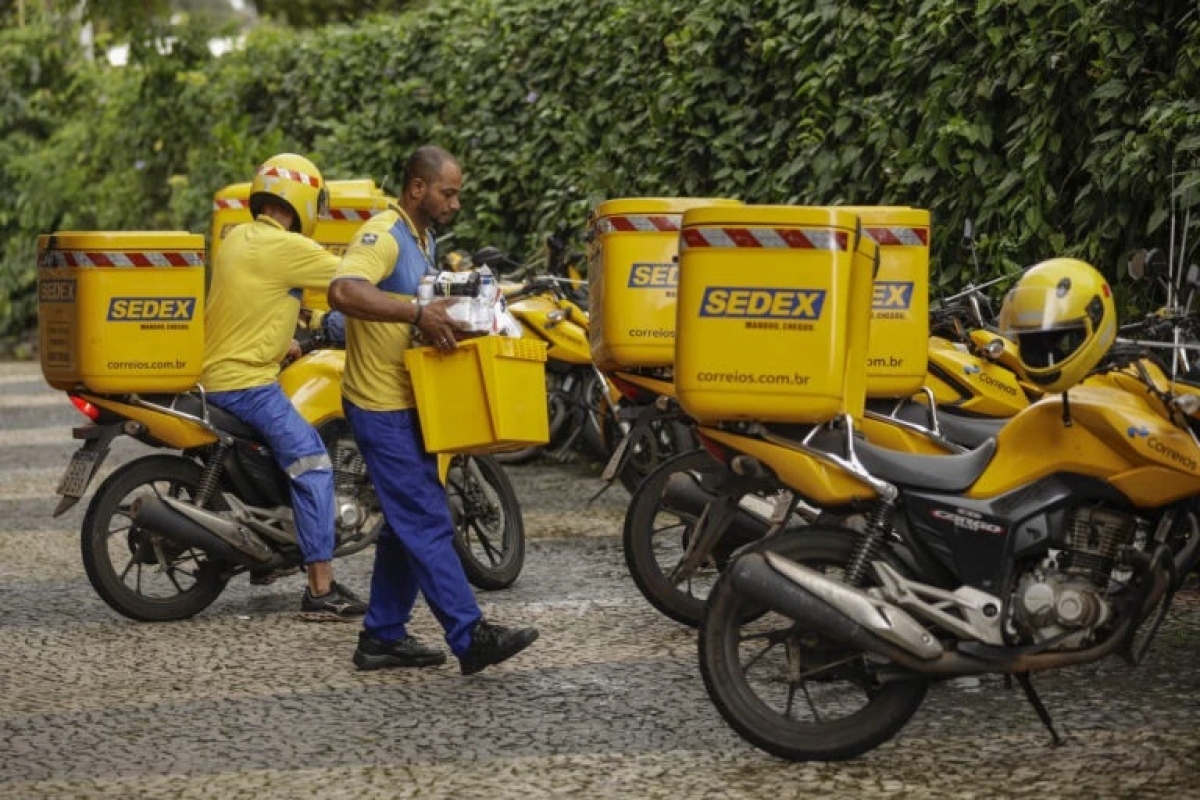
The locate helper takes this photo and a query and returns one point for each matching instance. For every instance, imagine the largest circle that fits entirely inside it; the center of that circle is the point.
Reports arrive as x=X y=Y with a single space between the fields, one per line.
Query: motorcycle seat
x=948 y=473
x=192 y=405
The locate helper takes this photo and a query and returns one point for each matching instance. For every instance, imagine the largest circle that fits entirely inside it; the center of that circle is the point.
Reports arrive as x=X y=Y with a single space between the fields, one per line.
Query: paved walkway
x=247 y=701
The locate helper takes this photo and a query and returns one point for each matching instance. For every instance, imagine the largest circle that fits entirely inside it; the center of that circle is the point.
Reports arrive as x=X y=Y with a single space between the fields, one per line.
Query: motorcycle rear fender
x=819 y=482
x=169 y=430
x=567 y=339
x=654 y=386
x=969 y=383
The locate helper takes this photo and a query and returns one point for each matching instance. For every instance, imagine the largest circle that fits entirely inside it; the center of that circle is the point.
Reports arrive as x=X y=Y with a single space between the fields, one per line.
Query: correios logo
x=151 y=309
x=762 y=303
x=989 y=380
x=892 y=296
x=654 y=276
x=1170 y=453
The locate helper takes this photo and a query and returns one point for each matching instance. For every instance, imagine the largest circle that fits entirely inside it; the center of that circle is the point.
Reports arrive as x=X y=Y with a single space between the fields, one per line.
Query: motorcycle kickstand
x=1031 y=694
x=713 y=522
x=563 y=453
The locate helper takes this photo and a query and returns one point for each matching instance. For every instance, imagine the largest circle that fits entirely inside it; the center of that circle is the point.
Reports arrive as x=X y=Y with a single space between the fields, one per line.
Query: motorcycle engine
x=354 y=496
x=1064 y=599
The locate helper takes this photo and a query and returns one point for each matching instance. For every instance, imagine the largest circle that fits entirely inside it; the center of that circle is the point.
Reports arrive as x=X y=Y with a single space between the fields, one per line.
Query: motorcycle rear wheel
x=489 y=531
x=121 y=559
x=656 y=538
x=791 y=691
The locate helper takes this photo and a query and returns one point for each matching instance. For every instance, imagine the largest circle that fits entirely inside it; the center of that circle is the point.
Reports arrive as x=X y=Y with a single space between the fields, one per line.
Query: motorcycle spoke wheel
x=655 y=540
x=489 y=531
x=664 y=440
x=791 y=691
x=139 y=573
x=594 y=439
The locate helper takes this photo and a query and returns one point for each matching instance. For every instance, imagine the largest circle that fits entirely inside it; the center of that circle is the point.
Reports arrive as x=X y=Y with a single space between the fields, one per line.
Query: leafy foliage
x=1061 y=127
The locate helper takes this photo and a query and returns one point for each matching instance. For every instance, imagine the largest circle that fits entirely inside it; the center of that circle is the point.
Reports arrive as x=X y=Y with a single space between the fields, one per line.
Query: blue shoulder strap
x=410 y=262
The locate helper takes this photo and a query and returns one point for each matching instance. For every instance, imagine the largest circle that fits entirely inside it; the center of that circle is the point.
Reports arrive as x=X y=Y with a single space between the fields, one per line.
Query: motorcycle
x=972 y=389
x=165 y=533
x=1006 y=559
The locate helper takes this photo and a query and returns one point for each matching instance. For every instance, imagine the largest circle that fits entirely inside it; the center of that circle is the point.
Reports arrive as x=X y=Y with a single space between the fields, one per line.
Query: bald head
x=432 y=183
x=426 y=164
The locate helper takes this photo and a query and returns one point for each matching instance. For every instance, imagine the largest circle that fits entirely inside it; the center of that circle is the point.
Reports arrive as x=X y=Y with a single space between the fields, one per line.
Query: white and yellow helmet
x=295 y=181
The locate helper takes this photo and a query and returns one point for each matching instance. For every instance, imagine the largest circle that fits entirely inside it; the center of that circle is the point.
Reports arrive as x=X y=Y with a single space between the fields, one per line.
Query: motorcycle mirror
x=495 y=260
x=968 y=236
x=994 y=349
x=1193 y=275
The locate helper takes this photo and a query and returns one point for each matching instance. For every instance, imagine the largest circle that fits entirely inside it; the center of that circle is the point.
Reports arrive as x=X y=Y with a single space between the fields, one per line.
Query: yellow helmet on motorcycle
x=1062 y=316
x=295 y=182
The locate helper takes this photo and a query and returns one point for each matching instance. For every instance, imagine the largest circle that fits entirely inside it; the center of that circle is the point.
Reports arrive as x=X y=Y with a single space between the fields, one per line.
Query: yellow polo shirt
x=253 y=302
x=387 y=252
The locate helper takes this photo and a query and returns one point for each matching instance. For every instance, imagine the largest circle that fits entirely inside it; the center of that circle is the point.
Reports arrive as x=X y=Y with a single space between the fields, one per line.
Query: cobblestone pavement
x=246 y=700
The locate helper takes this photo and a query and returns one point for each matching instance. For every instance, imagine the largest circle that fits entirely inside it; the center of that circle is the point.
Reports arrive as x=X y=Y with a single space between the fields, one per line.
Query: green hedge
x=1060 y=127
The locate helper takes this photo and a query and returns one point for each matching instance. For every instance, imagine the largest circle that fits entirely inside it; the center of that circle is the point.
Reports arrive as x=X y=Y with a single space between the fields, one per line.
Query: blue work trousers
x=299 y=451
x=415 y=550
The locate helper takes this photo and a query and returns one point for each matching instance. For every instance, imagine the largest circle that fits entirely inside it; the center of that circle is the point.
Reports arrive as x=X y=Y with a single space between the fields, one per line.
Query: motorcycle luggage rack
x=171 y=410
x=933 y=431
x=849 y=462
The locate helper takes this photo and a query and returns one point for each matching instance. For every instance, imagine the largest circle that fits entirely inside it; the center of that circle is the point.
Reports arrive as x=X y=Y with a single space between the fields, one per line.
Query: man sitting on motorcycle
x=250 y=315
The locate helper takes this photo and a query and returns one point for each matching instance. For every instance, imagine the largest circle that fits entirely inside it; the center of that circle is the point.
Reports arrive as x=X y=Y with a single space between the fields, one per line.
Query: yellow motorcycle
x=165 y=532
x=1057 y=543
x=973 y=387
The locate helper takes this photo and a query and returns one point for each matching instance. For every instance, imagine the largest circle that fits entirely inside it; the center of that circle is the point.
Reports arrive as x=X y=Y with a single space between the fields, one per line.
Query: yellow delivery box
x=351 y=203
x=898 y=354
x=774 y=313
x=632 y=272
x=486 y=396
x=121 y=312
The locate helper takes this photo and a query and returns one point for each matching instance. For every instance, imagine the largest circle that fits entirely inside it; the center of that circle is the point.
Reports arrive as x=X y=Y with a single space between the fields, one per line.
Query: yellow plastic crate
x=487 y=396
x=121 y=311
x=632 y=274
x=774 y=313
x=351 y=203
x=898 y=354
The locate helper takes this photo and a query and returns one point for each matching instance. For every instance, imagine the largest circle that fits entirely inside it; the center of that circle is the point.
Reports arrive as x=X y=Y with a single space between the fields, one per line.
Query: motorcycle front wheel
x=140 y=574
x=489 y=531
x=791 y=691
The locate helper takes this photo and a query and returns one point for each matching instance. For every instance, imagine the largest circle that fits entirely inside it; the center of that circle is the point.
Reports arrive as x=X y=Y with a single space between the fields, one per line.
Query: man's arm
x=361 y=299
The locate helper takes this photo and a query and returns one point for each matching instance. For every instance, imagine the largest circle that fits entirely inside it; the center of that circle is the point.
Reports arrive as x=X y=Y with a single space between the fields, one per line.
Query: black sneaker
x=339 y=605
x=375 y=653
x=491 y=644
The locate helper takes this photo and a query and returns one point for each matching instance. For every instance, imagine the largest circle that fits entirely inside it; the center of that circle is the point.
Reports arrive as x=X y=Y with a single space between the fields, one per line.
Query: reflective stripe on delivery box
x=767 y=238
x=902 y=237
x=639 y=223
x=138 y=258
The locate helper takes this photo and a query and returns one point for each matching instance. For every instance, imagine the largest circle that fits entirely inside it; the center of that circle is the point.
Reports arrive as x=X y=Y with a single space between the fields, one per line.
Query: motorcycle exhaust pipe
x=201 y=529
x=842 y=613
x=683 y=494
